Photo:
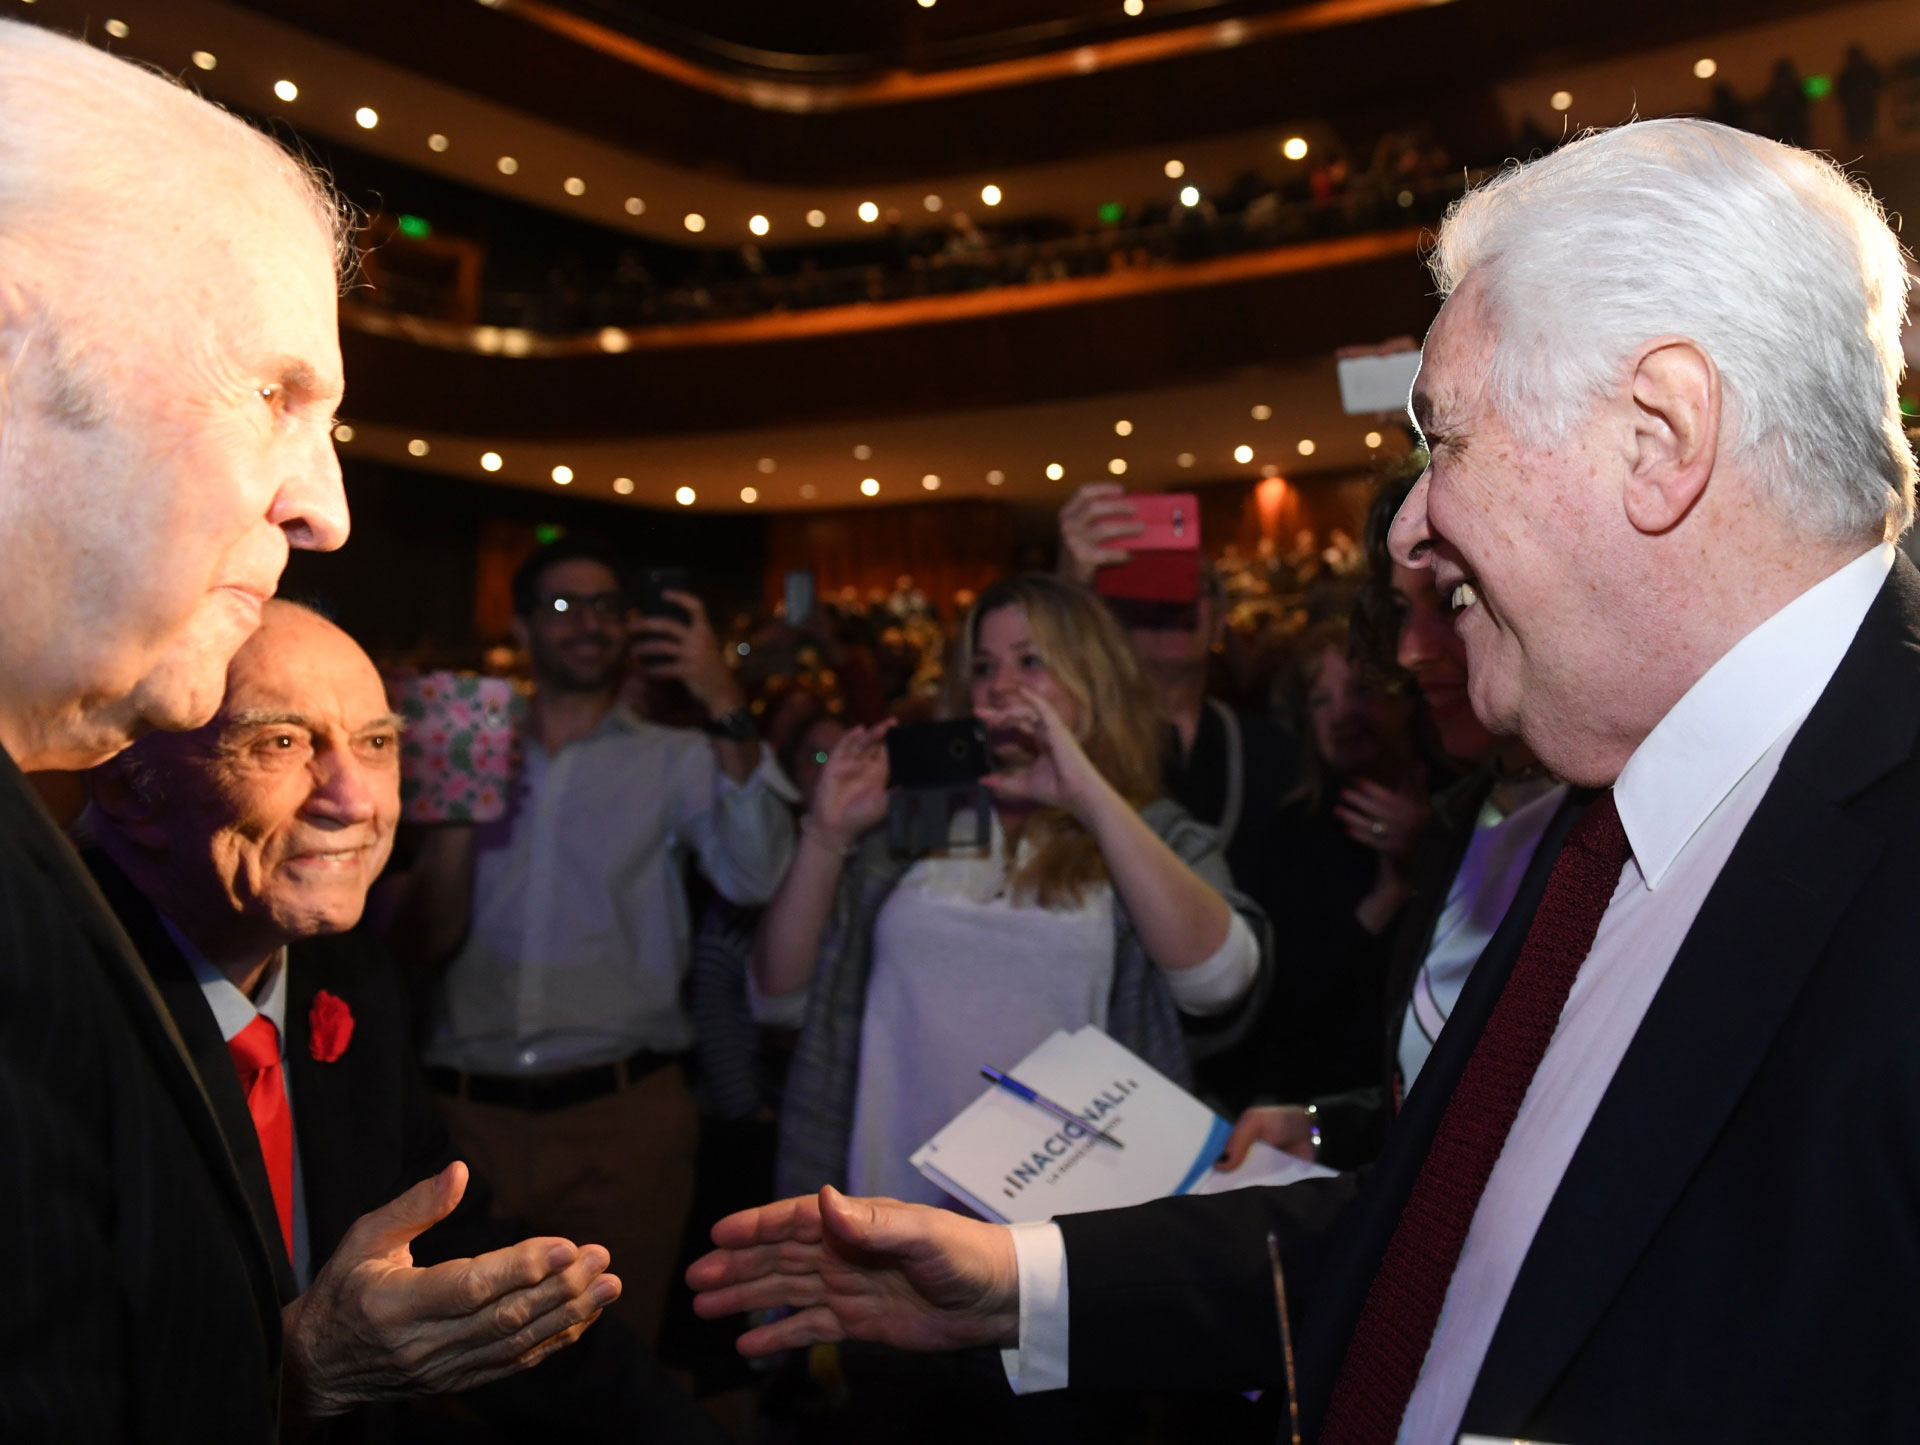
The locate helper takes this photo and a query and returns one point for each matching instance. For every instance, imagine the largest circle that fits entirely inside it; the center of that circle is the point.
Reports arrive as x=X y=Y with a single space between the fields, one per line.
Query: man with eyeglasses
x=557 y=1026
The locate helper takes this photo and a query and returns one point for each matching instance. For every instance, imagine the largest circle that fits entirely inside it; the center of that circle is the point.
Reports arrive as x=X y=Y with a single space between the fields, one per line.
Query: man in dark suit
x=1657 y=1179
x=237 y=856
x=169 y=392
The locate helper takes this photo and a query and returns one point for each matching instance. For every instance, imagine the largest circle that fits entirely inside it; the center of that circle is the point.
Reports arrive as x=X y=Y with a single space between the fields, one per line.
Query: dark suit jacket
x=367 y=1132
x=136 y=1297
x=1734 y=1251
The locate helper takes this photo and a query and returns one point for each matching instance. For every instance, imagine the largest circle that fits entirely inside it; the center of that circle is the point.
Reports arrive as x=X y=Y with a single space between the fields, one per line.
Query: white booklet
x=1013 y=1161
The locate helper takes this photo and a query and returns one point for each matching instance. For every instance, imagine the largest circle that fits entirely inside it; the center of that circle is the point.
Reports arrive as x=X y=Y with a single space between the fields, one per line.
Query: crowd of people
x=1566 y=920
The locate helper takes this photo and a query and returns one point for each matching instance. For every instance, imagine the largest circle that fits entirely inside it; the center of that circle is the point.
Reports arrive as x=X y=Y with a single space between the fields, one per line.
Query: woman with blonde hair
x=1097 y=902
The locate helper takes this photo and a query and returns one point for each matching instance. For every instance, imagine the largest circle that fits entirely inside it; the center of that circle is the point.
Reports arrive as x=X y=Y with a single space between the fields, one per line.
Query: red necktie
x=1390 y=1343
x=256 y=1054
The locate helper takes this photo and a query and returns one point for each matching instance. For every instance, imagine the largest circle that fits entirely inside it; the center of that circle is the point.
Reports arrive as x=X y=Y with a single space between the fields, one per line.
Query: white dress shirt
x=233 y=1011
x=1684 y=798
x=581 y=936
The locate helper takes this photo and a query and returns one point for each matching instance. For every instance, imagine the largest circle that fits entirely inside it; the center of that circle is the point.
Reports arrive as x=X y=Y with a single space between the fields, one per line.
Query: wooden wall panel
x=943 y=546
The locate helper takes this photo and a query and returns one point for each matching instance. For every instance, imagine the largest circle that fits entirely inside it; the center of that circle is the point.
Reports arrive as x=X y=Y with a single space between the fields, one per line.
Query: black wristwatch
x=737 y=725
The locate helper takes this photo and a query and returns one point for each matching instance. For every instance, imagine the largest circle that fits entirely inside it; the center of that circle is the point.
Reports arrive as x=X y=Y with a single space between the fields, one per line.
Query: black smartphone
x=938 y=754
x=654 y=583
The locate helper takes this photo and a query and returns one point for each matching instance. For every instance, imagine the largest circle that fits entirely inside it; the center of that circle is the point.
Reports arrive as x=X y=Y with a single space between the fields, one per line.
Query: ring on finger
x=1377 y=828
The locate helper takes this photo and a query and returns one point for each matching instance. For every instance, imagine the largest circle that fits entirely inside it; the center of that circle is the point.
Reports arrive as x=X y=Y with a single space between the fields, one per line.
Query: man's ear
x=130 y=801
x=1676 y=433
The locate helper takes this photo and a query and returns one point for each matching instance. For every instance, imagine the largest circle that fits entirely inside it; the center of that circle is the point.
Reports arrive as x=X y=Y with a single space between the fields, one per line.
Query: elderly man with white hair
x=169 y=367
x=1659 y=1178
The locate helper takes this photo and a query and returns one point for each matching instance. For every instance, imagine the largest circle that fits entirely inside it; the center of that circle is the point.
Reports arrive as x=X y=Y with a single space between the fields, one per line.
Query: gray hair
x=96 y=130
x=1771 y=259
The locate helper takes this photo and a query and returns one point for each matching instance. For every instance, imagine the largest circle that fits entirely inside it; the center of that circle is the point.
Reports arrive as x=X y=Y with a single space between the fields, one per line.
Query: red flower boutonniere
x=329 y=1027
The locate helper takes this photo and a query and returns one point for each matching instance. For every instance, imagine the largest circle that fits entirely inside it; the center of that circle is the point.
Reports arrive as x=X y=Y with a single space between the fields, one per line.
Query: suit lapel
x=1732 y=984
x=328 y=1100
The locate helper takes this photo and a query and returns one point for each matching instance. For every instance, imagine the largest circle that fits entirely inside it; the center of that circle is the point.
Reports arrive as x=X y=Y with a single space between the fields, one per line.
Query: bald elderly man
x=171 y=365
x=1658 y=1179
x=237 y=857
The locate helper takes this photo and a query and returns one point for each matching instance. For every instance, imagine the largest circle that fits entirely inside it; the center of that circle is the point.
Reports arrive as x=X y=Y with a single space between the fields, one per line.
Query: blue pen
x=1059 y=1111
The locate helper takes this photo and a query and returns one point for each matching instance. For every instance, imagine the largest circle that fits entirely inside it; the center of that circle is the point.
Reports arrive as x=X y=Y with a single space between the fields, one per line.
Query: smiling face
x=159 y=462
x=1430 y=649
x=1525 y=552
x=577 y=635
x=1004 y=662
x=270 y=823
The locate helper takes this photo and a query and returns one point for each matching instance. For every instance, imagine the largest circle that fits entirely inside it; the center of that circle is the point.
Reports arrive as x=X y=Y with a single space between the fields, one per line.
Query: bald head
x=169 y=371
x=269 y=823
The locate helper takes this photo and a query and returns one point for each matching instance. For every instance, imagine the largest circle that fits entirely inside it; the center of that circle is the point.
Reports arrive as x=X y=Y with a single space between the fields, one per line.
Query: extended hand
x=1285 y=1126
x=374 y=1327
x=1060 y=775
x=861 y=1269
x=1094 y=518
x=691 y=652
x=851 y=795
x=1385 y=819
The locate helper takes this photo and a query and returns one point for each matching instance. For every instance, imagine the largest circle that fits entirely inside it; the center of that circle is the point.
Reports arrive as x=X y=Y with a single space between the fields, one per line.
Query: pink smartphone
x=1164 y=560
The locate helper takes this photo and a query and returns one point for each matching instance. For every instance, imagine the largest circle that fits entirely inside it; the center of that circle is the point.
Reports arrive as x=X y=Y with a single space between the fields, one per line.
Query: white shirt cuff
x=781 y=1011
x=1040 y=1361
x=1222 y=981
x=767 y=773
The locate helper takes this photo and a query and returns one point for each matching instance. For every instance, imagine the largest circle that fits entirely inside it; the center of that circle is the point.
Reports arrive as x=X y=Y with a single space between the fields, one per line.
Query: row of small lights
x=1133 y=8
x=1705 y=68
x=870 y=486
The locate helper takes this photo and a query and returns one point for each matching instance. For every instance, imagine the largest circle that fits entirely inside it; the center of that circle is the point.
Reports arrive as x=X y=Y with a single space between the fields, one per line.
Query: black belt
x=552 y=1091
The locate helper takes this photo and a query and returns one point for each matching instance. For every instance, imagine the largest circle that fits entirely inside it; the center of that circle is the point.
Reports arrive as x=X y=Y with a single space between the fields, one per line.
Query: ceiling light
x=694 y=221
x=870 y=487
x=286 y=90
x=1185 y=459
x=1305 y=446
x=1118 y=466
x=366 y=117
x=418 y=448
x=759 y=225
x=1175 y=169
x=765 y=464
x=507 y=165
x=490 y=461
x=1373 y=439
x=623 y=485
x=1704 y=68
x=1561 y=100
x=1294 y=148
x=1189 y=195
x=1123 y=428
x=869 y=212
x=205 y=59
x=1262 y=412
x=816 y=219
x=930 y=482
x=684 y=496
x=574 y=186
x=1243 y=454
x=1135 y=7
x=1269 y=470
x=990 y=195
x=926 y=4
x=1055 y=471
x=437 y=142
x=808 y=491
x=636 y=206
x=118 y=29
x=562 y=476
x=614 y=338
x=932 y=203
x=342 y=432
x=749 y=495
x=862 y=452
x=996 y=477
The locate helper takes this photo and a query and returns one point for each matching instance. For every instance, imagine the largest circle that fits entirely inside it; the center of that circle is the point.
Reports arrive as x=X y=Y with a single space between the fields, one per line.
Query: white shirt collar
x=1764 y=686
x=232 y=1009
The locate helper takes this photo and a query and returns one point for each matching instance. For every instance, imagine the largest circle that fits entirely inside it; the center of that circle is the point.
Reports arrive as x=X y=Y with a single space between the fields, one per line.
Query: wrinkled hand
x=851 y=795
x=1060 y=775
x=1094 y=518
x=1285 y=1126
x=689 y=651
x=1386 y=819
x=374 y=1327
x=861 y=1269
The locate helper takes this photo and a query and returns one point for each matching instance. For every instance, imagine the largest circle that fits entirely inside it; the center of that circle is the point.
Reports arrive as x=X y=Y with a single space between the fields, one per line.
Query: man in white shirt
x=557 y=1025
x=1667 y=473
